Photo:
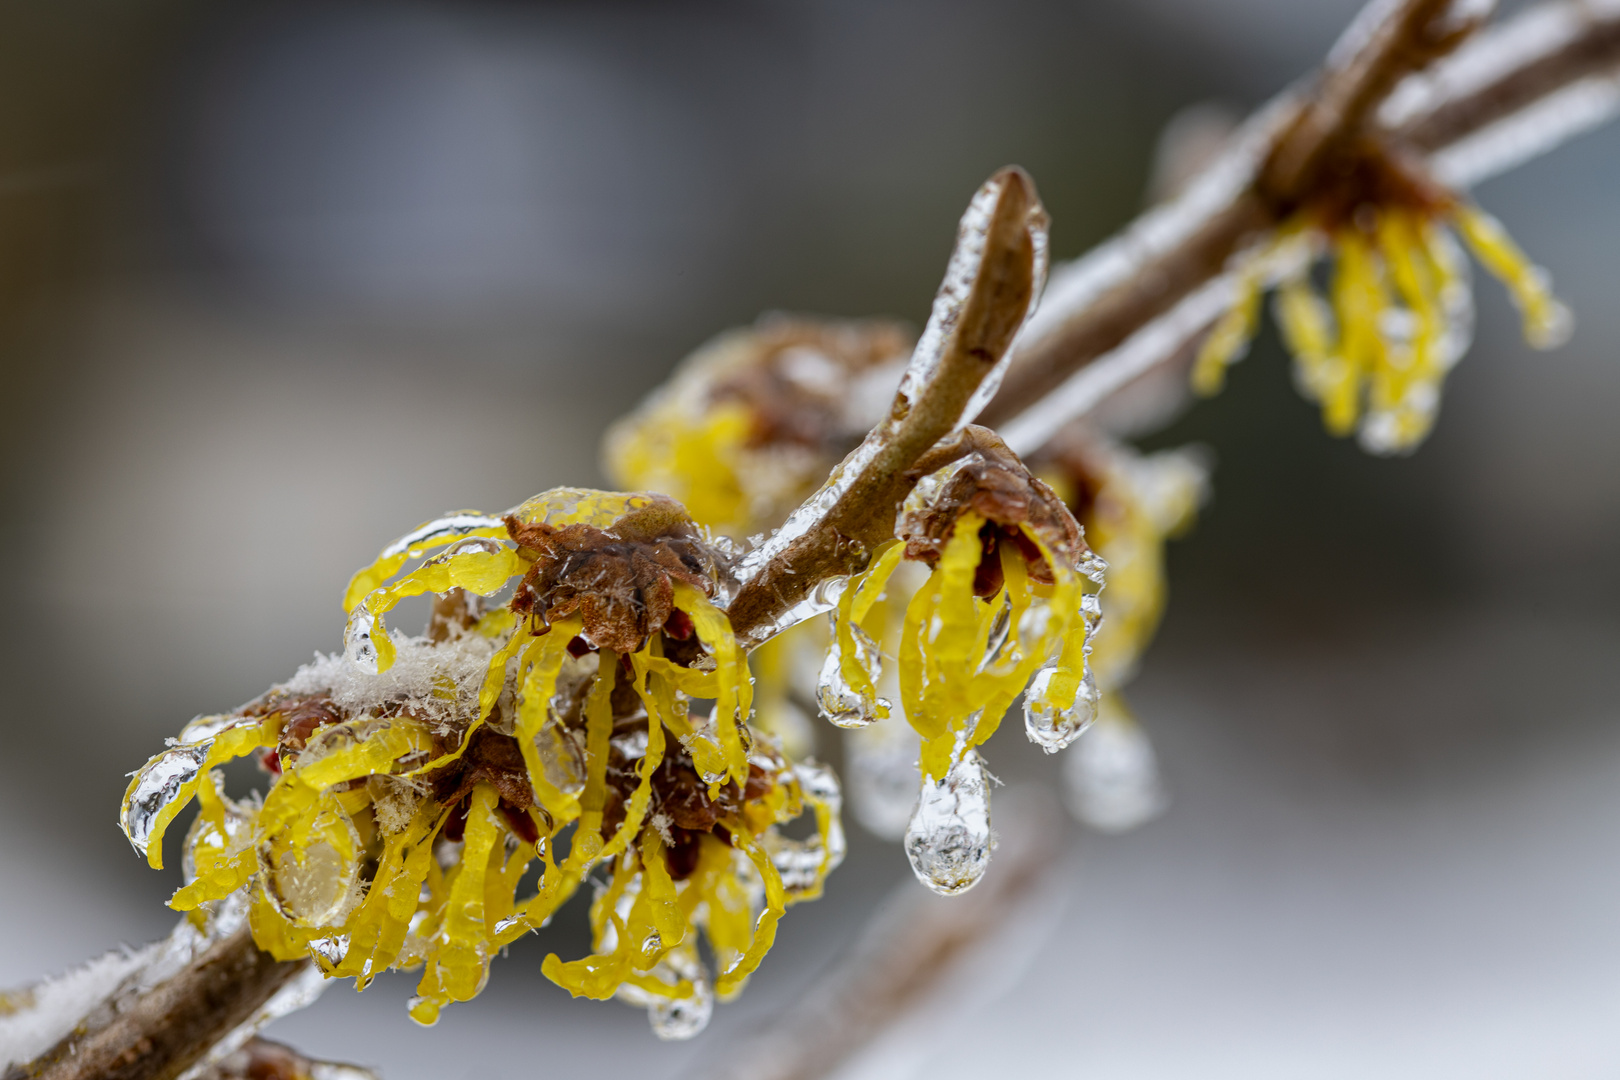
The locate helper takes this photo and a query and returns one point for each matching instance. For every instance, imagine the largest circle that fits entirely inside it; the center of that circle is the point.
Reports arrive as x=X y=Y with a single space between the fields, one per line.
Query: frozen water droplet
x=949 y=840
x=801 y=862
x=459 y=523
x=674 y=1019
x=329 y=951
x=205 y=838
x=1091 y=612
x=1052 y=728
x=313 y=885
x=158 y=784
x=207 y=727
x=1111 y=775
x=842 y=703
x=357 y=644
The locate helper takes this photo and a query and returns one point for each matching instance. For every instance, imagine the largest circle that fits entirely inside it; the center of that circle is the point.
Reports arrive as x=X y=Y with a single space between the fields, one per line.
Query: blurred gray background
x=278 y=281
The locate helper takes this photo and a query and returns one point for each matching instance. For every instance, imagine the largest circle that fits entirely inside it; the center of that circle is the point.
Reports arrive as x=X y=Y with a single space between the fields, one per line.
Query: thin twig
x=1108 y=319
x=171 y=1026
x=995 y=274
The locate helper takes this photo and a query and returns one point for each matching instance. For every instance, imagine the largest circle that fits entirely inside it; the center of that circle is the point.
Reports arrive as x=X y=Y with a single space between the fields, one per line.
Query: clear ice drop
x=949 y=839
x=1052 y=728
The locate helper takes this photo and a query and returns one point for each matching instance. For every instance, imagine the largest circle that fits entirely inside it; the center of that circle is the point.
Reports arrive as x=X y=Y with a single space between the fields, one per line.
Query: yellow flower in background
x=753 y=421
x=421 y=781
x=1397 y=315
x=1129 y=505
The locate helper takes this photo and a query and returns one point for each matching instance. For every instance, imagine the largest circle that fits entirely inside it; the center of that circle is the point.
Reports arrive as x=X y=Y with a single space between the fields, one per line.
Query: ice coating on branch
x=1529 y=133
x=949 y=839
x=34 y=1018
x=1111 y=774
x=954 y=293
x=1531 y=37
x=1090 y=386
x=299 y=992
x=1532 y=34
x=1077 y=285
x=260 y=1059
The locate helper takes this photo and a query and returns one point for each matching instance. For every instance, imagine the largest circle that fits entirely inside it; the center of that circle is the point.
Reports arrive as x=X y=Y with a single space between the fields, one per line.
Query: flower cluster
x=1398 y=312
x=420 y=781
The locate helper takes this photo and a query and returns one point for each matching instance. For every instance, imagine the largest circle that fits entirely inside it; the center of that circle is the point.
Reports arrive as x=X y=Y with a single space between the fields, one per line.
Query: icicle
x=682 y=1017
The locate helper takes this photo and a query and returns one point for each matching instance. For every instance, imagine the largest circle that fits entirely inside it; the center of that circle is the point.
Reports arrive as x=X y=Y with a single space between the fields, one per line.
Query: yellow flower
x=1398 y=312
x=754 y=420
x=419 y=779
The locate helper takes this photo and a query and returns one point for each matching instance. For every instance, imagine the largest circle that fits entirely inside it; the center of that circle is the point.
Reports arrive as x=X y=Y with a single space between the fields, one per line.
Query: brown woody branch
x=1594 y=50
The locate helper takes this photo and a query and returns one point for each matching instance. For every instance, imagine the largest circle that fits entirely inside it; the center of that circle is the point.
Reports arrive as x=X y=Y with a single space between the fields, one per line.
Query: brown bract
x=261 y=1059
x=1370 y=172
x=491 y=758
x=992 y=482
x=620 y=579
